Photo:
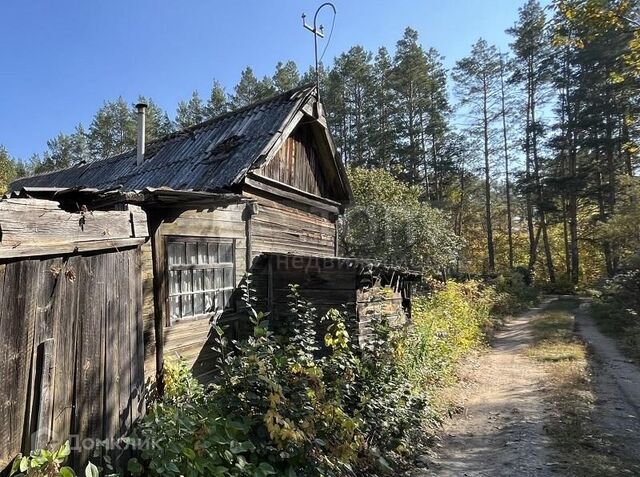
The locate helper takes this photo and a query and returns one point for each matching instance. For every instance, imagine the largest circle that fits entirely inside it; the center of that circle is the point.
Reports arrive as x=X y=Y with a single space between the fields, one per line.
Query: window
x=201 y=276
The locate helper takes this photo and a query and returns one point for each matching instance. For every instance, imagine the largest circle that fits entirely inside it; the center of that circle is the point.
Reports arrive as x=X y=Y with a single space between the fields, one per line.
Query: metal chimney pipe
x=140 y=132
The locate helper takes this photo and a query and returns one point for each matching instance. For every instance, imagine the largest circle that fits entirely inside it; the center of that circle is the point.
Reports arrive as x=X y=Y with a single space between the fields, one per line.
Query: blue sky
x=60 y=59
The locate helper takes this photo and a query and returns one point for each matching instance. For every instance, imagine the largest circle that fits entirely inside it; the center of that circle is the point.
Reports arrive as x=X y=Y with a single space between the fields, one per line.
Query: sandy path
x=501 y=432
x=616 y=383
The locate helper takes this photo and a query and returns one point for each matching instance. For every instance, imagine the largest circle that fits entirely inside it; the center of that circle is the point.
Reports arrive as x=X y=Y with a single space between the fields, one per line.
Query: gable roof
x=212 y=156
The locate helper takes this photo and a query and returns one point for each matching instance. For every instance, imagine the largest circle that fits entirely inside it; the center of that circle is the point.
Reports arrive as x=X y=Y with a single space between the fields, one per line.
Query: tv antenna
x=318 y=32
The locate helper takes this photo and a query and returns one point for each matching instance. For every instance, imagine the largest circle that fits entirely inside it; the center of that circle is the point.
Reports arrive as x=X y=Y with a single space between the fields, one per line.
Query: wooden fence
x=71 y=336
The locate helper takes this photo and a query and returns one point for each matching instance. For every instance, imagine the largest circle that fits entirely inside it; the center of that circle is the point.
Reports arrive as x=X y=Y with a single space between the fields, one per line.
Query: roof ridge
x=254 y=105
x=308 y=87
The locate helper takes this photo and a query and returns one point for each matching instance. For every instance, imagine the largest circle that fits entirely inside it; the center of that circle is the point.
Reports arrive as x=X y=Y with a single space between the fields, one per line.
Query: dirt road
x=616 y=382
x=501 y=431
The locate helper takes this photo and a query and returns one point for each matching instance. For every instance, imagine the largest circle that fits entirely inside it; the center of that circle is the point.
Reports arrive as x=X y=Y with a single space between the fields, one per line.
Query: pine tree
x=531 y=67
x=410 y=78
x=507 y=160
x=250 y=90
x=286 y=76
x=477 y=84
x=190 y=112
x=435 y=126
x=112 y=130
x=382 y=133
x=218 y=102
x=350 y=85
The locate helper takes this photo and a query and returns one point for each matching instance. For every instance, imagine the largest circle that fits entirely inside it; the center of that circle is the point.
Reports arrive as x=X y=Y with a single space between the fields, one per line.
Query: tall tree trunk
x=564 y=173
x=533 y=243
x=625 y=141
x=425 y=159
x=487 y=180
x=506 y=164
x=536 y=171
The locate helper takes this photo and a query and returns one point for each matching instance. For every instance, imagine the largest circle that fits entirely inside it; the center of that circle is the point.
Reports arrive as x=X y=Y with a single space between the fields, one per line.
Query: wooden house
x=232 y=195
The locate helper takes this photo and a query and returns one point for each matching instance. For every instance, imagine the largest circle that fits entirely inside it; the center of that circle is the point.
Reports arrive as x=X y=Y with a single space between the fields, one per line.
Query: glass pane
x=176 y=253
x=213 y=252
x=226 y=253
x=192 y=253
x=187 y=305
x=217 y=279
x=203 y=255
x=227 y=297
x=219 y=301
x=186 y=284
x=174 y=282
x=174 y=305
x=208 y=279
x=198 y=276
x=198 y=304
x=228 y=277
x=209 y=300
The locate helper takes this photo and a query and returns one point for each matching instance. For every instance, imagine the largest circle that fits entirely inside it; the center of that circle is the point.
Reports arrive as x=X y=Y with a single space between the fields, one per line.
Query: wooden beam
x=159 y=287
x=67 y=248
x=286 y=191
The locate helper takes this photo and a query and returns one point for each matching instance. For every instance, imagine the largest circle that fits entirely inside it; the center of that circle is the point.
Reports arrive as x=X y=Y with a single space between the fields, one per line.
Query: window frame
x=168 y=240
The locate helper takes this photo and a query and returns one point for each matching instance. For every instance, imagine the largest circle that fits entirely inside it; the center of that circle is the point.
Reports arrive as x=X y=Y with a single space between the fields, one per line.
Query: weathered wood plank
x=35 y=249
x=17 y=330
x=46 y=352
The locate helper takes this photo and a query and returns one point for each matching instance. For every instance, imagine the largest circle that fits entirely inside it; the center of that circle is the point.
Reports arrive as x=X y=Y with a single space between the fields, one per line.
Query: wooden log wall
x=190 y=339
x=71 y=349
x=328 y=283
x=322 y=282
x=281 y=228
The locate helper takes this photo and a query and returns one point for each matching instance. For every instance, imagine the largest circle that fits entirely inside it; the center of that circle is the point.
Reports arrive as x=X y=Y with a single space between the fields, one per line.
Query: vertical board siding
x=297 y=164
x=88 y=309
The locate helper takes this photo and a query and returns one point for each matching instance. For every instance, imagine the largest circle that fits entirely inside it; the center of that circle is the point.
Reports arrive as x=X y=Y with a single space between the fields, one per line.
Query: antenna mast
x=317 y=32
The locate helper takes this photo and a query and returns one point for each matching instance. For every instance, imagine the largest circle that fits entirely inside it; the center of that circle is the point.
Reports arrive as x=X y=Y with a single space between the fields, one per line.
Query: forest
x=524 y=158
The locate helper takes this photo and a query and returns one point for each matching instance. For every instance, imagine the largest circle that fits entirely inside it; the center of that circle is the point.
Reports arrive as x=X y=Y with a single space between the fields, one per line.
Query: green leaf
x=134 y=466
x=91 y=471
x=15 y=468
x=266 y=469
x=67 y=472
x=65 y=450
x=189 y=453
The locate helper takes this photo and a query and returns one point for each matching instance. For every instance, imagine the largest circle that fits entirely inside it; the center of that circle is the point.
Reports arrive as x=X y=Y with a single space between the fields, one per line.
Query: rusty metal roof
x=210 y=156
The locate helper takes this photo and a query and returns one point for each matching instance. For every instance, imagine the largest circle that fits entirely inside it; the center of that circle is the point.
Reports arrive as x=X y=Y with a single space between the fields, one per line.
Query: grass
x=586 y=452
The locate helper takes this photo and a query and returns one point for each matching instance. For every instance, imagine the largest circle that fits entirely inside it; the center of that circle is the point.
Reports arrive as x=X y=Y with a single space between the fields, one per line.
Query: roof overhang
x=358 y=265
x=76 y=197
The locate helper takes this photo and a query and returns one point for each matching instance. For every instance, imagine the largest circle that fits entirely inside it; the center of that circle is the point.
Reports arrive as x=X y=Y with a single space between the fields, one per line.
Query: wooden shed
x=362 y=289
x=71 y=329
x=264 y=179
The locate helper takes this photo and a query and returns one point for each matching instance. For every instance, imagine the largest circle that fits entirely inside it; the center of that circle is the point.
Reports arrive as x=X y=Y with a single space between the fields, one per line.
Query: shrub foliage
x=299 y=404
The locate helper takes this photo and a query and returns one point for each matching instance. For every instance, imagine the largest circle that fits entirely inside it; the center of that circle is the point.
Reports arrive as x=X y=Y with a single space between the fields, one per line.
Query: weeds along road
x=540 y=404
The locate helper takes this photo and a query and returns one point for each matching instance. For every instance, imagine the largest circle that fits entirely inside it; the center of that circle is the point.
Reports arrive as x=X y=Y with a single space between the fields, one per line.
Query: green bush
x=297 y=404
x=562 y=286
x=616 y=309
x=281 y=406
x=446 y=326
x=513 y=292
x=46 y=463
